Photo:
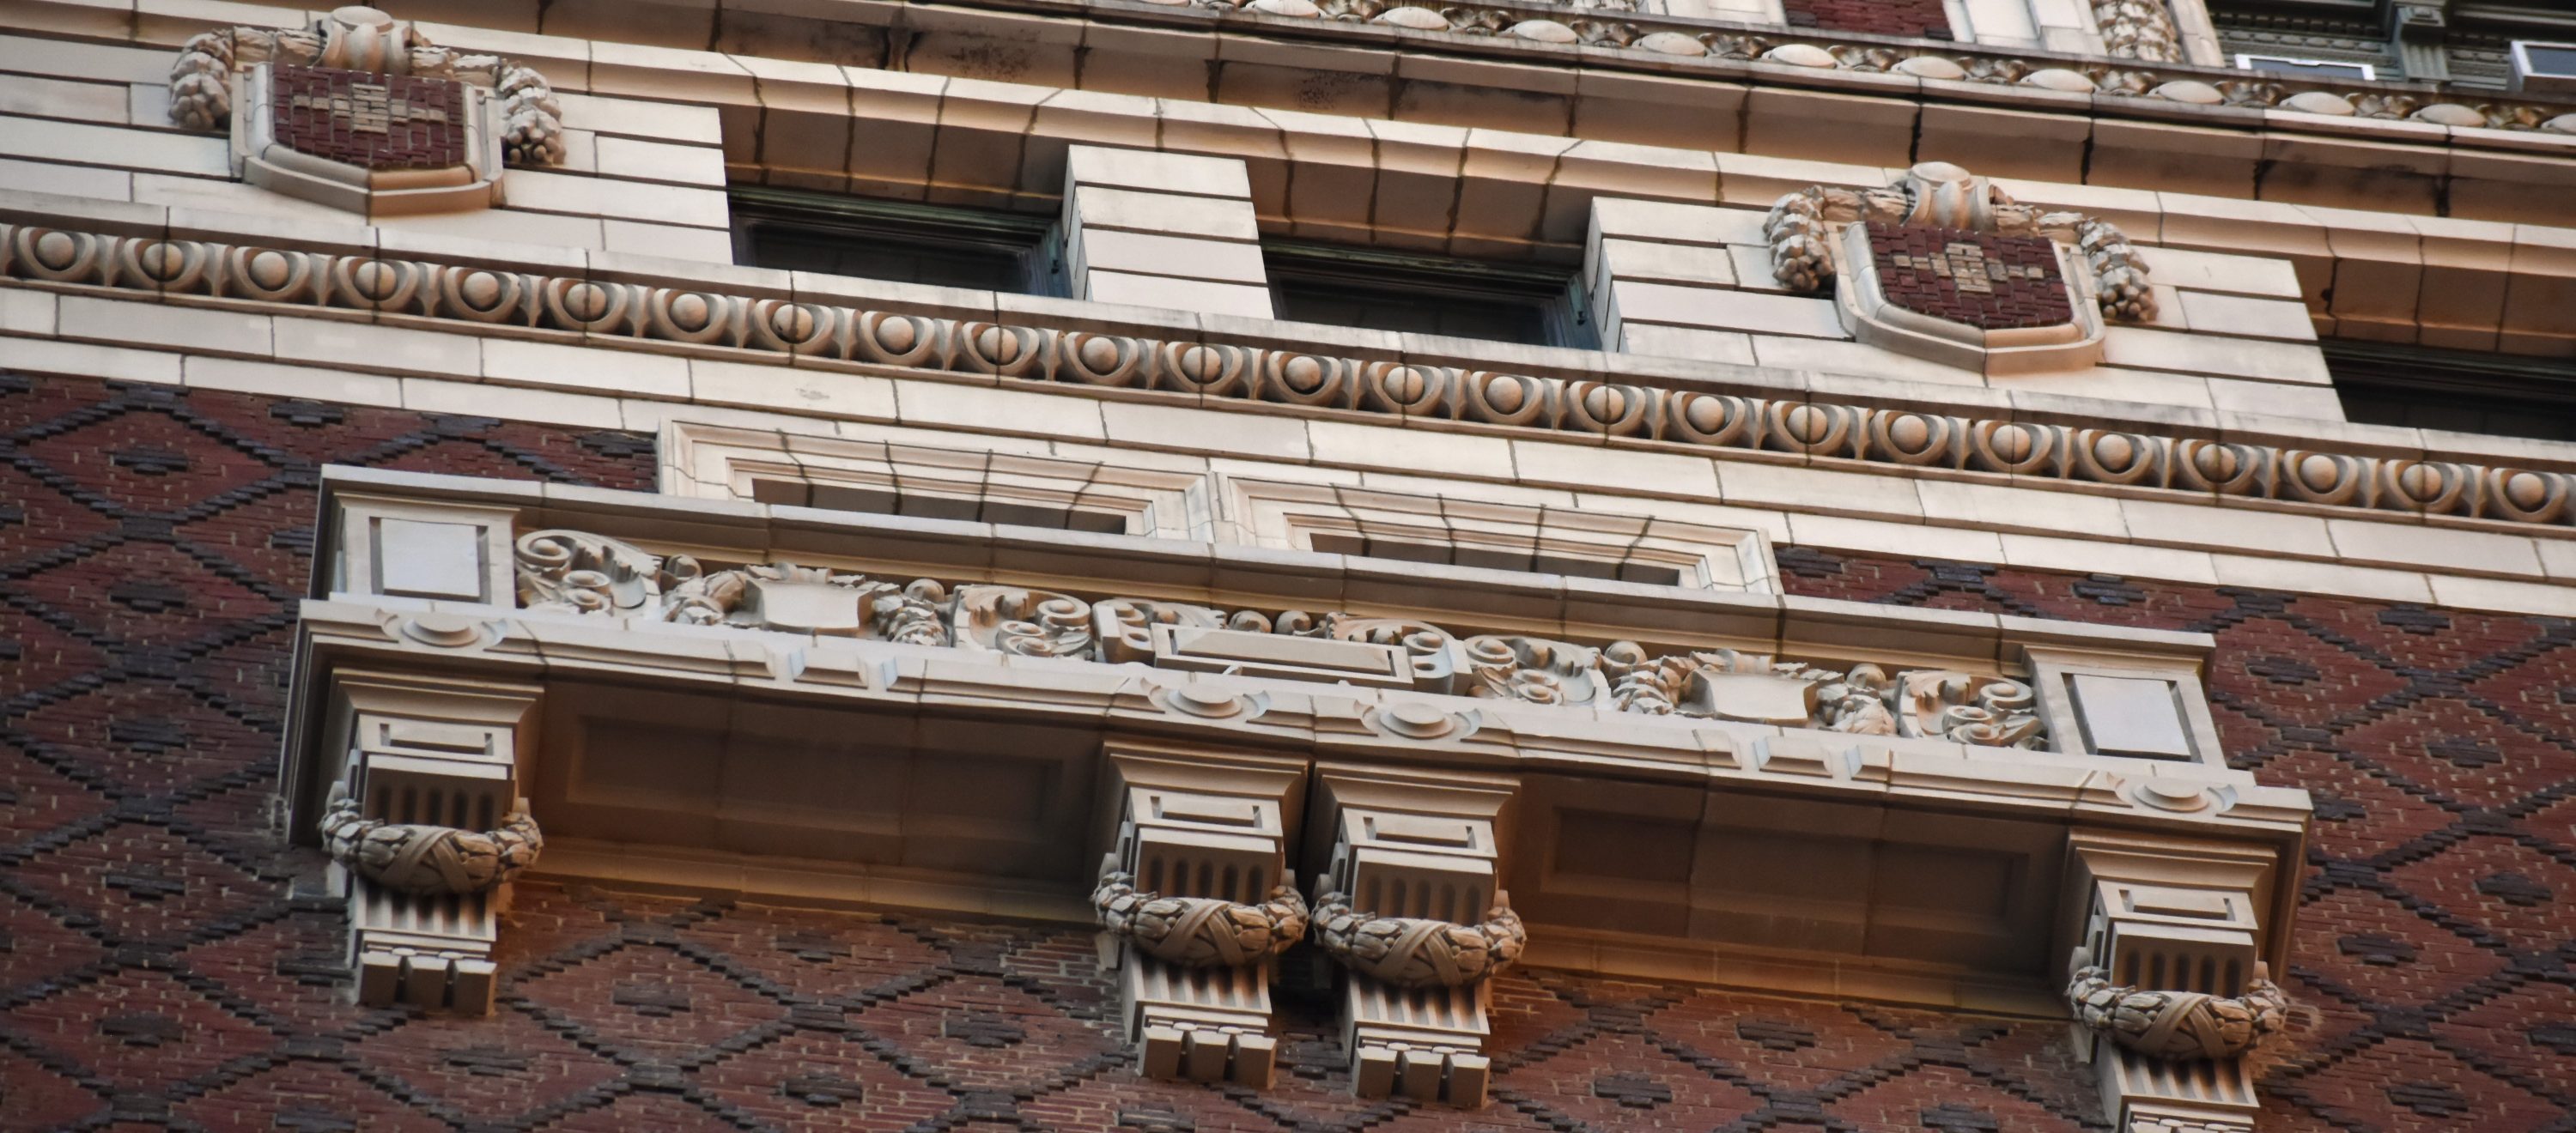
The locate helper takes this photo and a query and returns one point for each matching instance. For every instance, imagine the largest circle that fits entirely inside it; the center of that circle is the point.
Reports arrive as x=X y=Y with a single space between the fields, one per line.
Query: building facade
x=1854 y=565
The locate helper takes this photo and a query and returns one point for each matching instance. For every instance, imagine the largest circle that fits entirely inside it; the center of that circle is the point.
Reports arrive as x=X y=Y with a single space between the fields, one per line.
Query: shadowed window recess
x=902 y=241
x=2458 y=391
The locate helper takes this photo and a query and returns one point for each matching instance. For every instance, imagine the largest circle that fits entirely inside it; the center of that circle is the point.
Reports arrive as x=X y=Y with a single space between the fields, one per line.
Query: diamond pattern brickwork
x=163 y=964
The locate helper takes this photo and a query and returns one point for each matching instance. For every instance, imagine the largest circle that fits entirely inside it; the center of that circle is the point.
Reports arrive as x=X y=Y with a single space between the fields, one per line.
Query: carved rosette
x=1200 y=932
x=429 y=860
x=2178 y=1026
x=1412 y=952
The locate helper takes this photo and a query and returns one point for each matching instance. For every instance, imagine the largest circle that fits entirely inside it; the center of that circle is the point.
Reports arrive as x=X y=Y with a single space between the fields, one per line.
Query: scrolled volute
x=2177 y=1026
x=429 y=860
x=1200 y=932
x=1414 y=952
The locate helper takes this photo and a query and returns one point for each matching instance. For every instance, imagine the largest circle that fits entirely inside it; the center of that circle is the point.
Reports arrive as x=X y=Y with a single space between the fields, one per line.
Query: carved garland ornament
x=1200 y=932
x=1413 y=952
x=2177 y=1026
x=606 y=311
x=574 y=572
x=429 y=860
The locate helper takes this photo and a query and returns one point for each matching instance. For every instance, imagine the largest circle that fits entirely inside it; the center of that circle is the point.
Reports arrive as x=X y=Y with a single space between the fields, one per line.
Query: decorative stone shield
x=361 y=112
x=1946 y=267
x=369 y=143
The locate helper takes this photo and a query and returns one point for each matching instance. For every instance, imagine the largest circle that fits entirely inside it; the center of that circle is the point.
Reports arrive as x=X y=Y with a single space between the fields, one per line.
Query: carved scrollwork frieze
x=427 y=860
x=1200 y=932
x=573 y=572
x=1417 y=952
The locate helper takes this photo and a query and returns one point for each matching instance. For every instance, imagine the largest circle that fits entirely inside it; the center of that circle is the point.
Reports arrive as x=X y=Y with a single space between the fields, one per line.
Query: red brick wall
x=1921 y=19
x=159 y=963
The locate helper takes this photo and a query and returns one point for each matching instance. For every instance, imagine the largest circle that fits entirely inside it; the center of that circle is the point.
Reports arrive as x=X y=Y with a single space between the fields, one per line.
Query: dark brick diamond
x=141 y=1028
x=812 y=947
x=304 y=1119
x=487 y=1061
x=2415 y=619
x=1155 y=1121
x=2560 y=1037
x=313 y=971
x=2109 y=590
x=1771 y=1034
x=621 y=445
x=309 y=414
x=145 y=883
x=296 y=539
x=1948 y=1118
x=659 y=1001
x=2515 y=889
x=2431 y=1099
x=983 y=1029
x=1632 y=1091
x=2466 y=754
x=822 y=1090
x=1806 y=563
x=148 y=595
x=149 y=461
x=2374 y=949
x=2336 y=808
x=155 y=734
x=2282 y=670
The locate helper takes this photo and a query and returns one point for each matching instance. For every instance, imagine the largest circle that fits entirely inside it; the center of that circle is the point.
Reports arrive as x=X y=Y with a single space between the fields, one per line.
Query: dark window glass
x=893 y=240
x=1375 y=290
x=2459 y=391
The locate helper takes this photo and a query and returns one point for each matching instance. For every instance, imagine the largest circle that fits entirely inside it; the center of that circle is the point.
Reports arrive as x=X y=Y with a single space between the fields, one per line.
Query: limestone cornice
x=1523 y=33
x=1271 y=367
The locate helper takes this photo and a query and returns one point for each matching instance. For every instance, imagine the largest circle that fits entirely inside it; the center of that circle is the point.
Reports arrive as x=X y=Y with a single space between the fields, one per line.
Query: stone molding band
x=2138 y=34
x=1414 y=952
x=2177 y=1026
x=429 y=860
x=604 y=311
x=1200 y=932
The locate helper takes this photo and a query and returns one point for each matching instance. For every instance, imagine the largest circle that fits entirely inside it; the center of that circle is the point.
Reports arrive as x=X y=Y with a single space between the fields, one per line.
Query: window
x=1393 y=291
x=2315 y=69
x=894 y=240
x=2455 y=390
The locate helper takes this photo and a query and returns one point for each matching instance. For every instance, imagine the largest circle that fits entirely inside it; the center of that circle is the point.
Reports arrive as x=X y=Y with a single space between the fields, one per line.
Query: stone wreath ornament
x=429 y=860
x=1799 y=230
x=1412 y=952
x=364 y=39
x=1199 y=932
x=2177 y=1026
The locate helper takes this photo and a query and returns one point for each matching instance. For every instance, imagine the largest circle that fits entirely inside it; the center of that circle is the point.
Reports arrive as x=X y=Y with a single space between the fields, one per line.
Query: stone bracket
x=430 y=752
x=1194 y=823
x=1415 y=845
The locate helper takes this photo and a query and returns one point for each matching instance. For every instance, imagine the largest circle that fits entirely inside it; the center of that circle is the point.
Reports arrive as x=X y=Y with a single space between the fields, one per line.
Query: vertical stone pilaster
x=1163 y=230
